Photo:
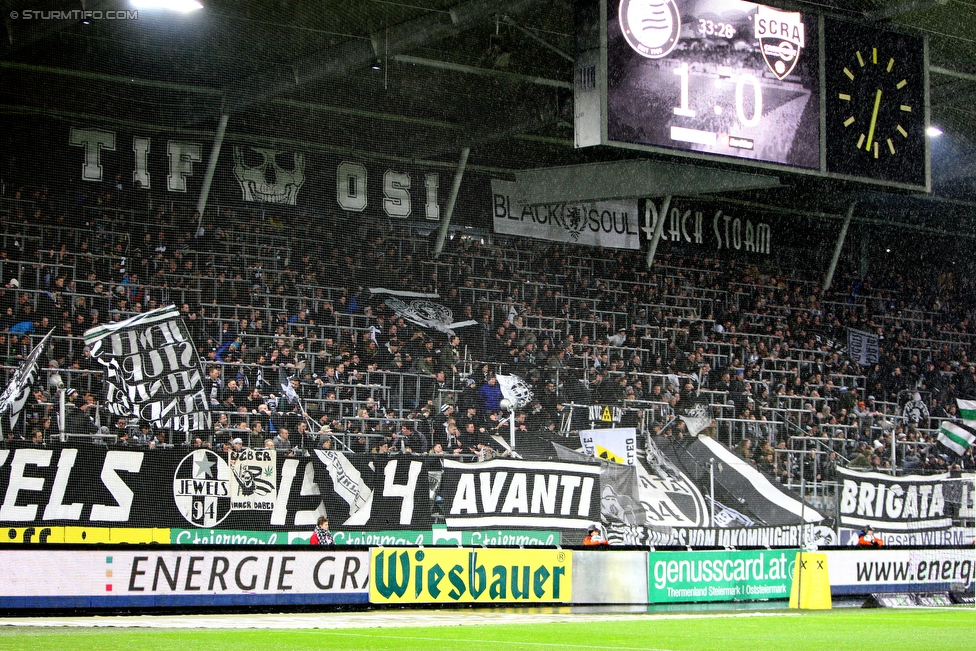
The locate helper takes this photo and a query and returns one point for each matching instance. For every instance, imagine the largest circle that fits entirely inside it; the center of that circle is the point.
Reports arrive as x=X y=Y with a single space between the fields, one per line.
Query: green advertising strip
x=751 y=575
x=487 y=537
x=226 y=537
x=440 y=536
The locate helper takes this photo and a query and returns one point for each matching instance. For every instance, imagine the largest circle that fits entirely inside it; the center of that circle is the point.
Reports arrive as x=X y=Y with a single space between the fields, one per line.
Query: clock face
x=875 y=101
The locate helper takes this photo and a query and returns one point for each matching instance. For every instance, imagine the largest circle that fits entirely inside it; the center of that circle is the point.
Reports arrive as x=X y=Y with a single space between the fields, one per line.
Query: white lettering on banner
x=685 y=225
x=19 y=484
x=93 y=141
x=121 y=493
x=351 y=186
x=572 y=492
x=56 y=509
x=432 y=211
x=182 y=156
x=405 y=491
x=612 y=224
x=140 y=147
x=256 y=180
x=310 y=489
x=893 y=503
x=396 y=194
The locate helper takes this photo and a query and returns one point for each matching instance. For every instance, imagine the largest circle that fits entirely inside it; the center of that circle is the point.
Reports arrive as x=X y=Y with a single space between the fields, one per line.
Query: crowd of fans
x=299 y=354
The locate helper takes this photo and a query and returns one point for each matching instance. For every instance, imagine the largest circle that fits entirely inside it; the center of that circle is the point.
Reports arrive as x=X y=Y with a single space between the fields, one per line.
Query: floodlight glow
x=182 y=6
x=933 y=132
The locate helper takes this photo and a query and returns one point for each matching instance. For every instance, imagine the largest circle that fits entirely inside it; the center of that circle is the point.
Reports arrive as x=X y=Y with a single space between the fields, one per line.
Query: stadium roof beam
x=895 y=9
x=661 y=217
x=628 y=179
x=838 y=246
x=357 y=54
x=452 y=200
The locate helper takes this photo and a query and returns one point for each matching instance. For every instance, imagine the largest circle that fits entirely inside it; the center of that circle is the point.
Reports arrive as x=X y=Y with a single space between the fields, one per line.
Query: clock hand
x=874 y=120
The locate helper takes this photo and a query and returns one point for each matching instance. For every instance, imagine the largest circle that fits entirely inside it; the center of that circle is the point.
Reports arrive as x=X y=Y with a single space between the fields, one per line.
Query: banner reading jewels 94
x=675 y=577
x=612 y=224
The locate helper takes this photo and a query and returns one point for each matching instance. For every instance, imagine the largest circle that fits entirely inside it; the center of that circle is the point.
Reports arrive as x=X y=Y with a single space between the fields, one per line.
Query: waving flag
x=959 y=436
x=14 y=397
x=152 y=370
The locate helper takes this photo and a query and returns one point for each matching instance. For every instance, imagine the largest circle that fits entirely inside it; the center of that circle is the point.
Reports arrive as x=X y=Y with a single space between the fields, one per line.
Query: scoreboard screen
x=714 y=76
x=742 y=82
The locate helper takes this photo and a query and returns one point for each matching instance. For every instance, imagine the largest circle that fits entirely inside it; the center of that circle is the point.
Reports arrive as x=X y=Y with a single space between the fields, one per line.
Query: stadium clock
x=875 y=104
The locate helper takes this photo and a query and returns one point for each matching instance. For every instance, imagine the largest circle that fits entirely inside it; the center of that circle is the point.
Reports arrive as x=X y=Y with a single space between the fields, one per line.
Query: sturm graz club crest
x=201 y=488
x=651 y=27
x=781 y=38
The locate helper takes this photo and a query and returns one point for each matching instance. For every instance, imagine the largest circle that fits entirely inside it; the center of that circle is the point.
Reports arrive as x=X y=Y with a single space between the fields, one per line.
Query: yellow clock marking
x=860 y=59
x=891 y=146
x=850 y=75
x=845 y=97
x=875 y=150
x=891 y=64
x=860 y=141
x=906 y=108
x=849 y=121
x=874 y=56
x=901 y=84
x=874 y=121
x=904 y=134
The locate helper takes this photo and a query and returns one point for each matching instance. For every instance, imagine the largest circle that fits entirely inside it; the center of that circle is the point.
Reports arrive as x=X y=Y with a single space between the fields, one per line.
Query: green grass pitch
x=892 y=630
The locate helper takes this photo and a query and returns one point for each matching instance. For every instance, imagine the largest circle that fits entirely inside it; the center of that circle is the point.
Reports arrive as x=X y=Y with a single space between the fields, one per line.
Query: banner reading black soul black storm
x=612 y=224
x=503 y=493
x=152 y=370
x=908 y=503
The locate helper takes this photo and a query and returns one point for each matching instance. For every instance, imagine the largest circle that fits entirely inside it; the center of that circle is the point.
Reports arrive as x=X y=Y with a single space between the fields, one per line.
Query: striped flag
x=959 y=436
x=967 y=411
x=14 y=397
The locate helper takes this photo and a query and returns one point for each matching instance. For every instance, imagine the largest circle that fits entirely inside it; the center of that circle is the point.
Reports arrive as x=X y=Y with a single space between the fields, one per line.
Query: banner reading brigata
x=720 y=576
x=907 y=503
x=470 y=575
x=152 y=370
x=612 y=224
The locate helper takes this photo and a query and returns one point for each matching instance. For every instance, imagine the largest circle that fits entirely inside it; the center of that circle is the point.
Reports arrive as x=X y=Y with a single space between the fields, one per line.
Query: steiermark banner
x=720 y=576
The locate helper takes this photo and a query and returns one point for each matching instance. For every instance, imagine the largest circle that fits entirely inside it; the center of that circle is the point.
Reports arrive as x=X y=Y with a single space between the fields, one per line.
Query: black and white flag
x=697 y=418
x=515 y=390
x=152 y=370
x=863 y=347
x=14 y=397
x=428 y=315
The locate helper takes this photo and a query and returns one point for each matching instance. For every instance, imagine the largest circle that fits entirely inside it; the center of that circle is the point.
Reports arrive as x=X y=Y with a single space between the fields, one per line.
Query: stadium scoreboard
x=740 y=82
